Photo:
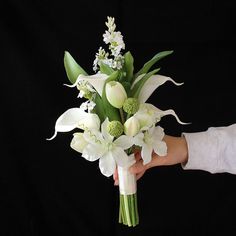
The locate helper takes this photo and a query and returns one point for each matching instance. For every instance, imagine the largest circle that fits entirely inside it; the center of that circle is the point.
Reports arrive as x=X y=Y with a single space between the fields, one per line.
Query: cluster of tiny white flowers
x=88 y=105
x=85 y=89
x=116 y=44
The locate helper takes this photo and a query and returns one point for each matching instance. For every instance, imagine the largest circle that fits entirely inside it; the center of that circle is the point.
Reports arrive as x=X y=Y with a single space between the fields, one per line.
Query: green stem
x=127 y=212
x=122 y=116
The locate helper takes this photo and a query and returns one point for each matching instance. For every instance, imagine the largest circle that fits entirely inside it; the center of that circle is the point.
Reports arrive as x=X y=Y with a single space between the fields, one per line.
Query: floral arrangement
x=115 y=119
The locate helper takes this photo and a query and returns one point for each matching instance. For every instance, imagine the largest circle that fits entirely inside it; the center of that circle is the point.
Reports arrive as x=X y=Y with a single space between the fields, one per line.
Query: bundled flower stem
x=116 y=118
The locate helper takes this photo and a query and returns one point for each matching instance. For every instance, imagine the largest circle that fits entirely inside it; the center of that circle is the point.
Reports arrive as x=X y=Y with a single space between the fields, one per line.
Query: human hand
x=177 y=152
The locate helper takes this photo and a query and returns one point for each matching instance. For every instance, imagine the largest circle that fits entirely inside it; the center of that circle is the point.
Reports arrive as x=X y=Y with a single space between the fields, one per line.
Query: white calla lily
x=151 y=140
x=151 y=85
x=148 y=115
x=76 y=118
x=111 y=153
x=96 y=80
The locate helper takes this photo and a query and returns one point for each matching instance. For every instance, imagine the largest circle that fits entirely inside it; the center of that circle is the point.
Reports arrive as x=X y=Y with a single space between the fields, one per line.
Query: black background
x=46 y=187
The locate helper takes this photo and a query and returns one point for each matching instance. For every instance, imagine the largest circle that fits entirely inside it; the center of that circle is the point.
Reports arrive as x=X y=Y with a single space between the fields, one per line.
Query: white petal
x=171 y=112
x=158 y=133
x=107 y=164
x=138 y=139
x=97 y=81
x=146 y=154
x=68 y=120
x=93 y=137
x=78 y=143
x=92 y=152
x=124 y=142
x=152 y=84
x=89 y=121
x=120 y=156
x=160 y=148
x=106 y=135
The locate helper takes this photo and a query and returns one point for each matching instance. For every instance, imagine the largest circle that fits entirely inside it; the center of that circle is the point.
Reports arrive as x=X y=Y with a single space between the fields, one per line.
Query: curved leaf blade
x=151 y=62
x=73 y=69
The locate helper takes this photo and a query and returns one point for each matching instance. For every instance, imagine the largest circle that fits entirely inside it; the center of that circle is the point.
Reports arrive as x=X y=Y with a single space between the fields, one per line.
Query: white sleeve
x=213 y=150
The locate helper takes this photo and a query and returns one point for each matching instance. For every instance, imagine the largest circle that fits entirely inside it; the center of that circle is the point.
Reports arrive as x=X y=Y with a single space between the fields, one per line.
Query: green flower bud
x=131 y=126
x=115 y=93
x=115 y=128
x=131 y=105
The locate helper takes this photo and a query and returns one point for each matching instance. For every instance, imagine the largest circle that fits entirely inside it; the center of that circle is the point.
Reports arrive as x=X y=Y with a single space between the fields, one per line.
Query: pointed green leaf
x=138 y=86
x=129 y=66
x=151 y=62
x=73 y=70
x=126 y=86
x=105 y=69
x=99 y=108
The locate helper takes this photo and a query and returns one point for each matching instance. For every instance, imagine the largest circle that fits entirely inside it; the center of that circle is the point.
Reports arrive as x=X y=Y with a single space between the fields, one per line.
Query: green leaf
x=105 y=69
x=138 y=86
x=126 y=86
x=151 y=62
x=129 y=66
x=99 y=108
x=73 y=70
x=111 y=112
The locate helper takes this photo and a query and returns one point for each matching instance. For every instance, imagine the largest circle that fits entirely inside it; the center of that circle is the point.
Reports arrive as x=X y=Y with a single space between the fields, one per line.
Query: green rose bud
x=131 y=105
x=115 y=128
x=115 y=93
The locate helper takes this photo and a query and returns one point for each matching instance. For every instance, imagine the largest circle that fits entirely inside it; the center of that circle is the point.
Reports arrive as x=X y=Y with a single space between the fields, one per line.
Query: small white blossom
x=116 y=44
x=88 y=105
x=151 y=140
x=101 y=56
x=111 y=24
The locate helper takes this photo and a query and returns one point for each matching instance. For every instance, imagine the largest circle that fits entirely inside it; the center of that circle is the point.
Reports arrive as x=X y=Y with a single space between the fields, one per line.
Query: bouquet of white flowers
x=115 y=120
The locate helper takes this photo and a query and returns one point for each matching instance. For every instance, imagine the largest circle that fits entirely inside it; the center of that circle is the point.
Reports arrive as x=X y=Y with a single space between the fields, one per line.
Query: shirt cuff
x=203 y=153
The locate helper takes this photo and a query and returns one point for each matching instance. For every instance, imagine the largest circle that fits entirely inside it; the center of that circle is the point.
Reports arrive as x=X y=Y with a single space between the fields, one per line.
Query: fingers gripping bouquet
x=116 y=118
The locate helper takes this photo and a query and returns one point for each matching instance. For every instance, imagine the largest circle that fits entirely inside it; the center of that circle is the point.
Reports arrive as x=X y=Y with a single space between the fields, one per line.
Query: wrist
x=183 y=150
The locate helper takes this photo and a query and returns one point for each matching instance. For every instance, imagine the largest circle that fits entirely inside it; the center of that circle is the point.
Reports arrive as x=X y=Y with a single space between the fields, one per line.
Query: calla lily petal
x=152 y=84
x=97 y=81
x=68 y=121
x=107 y=164
x=170 y=112
x=75 y=118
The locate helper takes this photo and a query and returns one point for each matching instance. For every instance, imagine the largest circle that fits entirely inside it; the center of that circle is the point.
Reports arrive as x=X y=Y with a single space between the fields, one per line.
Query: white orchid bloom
x=96 y=80
x=151 y=85
x=151 y=140
x=76 y=118
x=101 y=146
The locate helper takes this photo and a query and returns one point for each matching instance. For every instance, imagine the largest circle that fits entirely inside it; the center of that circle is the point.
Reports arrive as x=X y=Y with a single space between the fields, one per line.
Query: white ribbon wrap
x=127 y=181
